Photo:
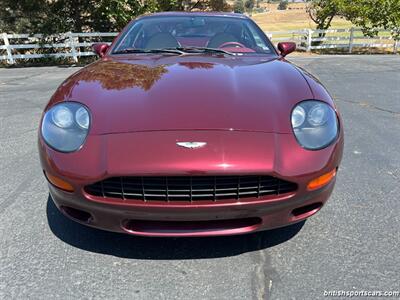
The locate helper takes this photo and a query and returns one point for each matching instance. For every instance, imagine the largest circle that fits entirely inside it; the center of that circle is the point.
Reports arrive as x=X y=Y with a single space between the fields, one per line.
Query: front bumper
x=156 y=154
x=239 y=217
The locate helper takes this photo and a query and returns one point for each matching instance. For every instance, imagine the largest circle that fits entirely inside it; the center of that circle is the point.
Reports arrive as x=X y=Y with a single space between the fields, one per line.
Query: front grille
x=189 y=188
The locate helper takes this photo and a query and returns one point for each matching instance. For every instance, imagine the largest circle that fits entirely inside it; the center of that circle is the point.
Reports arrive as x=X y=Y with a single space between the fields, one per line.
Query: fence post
x=10 y=58
x=72 y=46
x=351 y=39
x=309 y=40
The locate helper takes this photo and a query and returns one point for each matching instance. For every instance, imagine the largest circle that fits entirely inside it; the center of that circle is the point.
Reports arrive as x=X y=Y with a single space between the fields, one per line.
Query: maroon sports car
x=190 y=124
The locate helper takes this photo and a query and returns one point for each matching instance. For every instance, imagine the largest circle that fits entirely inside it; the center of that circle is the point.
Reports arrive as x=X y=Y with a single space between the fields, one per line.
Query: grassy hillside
x=290 y=19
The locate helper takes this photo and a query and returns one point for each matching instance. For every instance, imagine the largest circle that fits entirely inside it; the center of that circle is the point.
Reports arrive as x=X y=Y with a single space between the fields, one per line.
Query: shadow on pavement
x=123 y=245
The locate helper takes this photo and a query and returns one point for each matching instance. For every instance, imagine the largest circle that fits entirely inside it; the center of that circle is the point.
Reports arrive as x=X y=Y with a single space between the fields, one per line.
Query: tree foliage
x=322 y=12
x=238 y=6
x=52 y=16
x=370 y=15
x=283 y=5
x=218 y=5
x=249 y=4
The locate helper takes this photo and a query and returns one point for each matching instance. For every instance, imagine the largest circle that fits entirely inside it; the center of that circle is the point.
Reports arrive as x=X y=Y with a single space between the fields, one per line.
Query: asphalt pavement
x=352 y=244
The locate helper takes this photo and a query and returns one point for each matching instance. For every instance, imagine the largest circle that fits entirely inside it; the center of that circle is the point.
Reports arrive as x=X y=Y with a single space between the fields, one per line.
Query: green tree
x=238 y=6
x=322 y=12
x=372 y=15
x=218 y=5
x=113 y=15
x=283 y=5
x=21 y=16
x=215 y=5
x=249 y=5
x=55 y=16
x=52 y=16
x=169 y=5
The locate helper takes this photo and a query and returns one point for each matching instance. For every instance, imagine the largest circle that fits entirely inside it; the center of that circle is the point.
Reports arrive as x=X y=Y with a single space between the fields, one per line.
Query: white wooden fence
x=14 y=47
x=26 y=46
x=347 y=39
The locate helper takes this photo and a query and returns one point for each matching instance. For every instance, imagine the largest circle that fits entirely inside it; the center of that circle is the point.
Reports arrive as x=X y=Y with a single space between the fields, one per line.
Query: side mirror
x=100 y=48
x=286 y=47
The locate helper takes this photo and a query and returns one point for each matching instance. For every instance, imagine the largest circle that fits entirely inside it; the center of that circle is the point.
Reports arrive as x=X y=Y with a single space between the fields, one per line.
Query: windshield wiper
x=177 y=50
x=202 y=50
x=138 y=50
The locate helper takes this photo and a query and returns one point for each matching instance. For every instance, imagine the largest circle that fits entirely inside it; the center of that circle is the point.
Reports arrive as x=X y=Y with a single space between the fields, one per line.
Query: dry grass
x=290 y=19
x=297 y=18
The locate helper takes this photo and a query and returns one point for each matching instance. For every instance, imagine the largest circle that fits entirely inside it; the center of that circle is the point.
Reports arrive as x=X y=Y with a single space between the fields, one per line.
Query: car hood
x=143 y=93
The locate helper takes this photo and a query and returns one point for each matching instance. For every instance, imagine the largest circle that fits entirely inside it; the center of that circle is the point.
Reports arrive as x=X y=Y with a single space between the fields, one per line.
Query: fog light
x=321 y=181
x=59 y=183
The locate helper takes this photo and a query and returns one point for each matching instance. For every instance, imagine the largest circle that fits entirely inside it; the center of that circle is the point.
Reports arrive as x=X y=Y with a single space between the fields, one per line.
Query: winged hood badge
x=191 y=145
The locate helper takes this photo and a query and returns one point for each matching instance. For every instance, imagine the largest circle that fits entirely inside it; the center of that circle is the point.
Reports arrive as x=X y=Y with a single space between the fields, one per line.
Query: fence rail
x=72 y=45
x=348 y=38
x=15 y=47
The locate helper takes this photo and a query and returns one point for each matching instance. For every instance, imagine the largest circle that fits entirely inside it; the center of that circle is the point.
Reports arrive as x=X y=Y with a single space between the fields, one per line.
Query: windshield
x=232 y=35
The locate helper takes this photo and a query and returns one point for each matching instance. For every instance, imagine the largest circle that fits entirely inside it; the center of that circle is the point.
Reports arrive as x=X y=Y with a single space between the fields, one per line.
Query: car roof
x=195 y=13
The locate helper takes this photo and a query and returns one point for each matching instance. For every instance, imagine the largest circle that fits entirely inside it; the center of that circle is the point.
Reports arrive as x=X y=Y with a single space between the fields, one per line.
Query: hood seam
x=304 y=77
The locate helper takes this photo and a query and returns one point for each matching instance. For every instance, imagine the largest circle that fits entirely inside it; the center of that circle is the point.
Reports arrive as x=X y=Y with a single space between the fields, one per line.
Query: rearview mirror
x=100 y=48
x=286 y=47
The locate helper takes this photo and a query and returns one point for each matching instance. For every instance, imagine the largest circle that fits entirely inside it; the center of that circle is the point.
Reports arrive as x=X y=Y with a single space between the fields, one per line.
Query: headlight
x=314 y=124
x=65 y=126
x=298 y=116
